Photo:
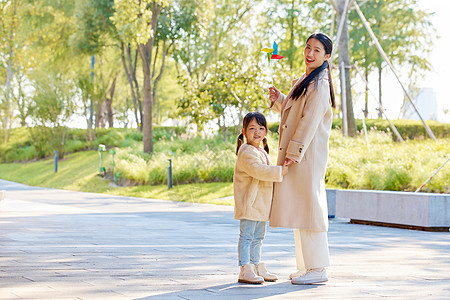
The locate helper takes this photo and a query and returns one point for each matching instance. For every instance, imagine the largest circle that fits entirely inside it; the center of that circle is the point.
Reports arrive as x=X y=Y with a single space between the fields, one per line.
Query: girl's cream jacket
x=253 y=184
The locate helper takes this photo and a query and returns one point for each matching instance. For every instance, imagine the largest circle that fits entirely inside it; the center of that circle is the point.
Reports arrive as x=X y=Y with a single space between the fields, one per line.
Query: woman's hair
x=301 y=88
x=261 y=120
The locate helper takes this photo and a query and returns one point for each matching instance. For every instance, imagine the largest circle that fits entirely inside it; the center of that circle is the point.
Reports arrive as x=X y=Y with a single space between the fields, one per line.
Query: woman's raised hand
x=273 y=94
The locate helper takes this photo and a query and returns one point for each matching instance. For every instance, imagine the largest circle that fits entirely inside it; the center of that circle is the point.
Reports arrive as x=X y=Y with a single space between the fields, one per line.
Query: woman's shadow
x=236 y=291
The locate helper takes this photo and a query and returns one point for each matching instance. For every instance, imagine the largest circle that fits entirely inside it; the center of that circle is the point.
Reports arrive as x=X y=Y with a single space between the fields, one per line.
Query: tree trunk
x=145 y=52
x=129 y=72
x=380 y=59
x=108 y=101
x=222 y=128
x=99 y=118
x=158 y=78
x=291 y=41
x=380 y=109
x=8 y=110
x=366 y=103
x=344 y=57
x=127 y=102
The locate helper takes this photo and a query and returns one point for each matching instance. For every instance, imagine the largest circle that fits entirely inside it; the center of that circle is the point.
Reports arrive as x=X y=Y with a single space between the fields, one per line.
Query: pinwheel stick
x=272 y=53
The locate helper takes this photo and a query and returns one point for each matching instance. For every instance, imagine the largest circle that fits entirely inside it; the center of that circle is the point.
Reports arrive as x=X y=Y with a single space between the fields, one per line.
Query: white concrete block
x=403 y=208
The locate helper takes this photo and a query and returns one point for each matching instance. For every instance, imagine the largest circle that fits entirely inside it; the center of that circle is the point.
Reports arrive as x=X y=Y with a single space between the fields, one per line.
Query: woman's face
x=314 y=55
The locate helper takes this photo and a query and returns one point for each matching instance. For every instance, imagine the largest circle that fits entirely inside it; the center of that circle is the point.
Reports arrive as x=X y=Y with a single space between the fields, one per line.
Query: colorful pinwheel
x=272 y=53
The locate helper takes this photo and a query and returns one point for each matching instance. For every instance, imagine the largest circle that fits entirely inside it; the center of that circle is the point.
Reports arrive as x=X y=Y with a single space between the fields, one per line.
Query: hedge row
x=408 y=129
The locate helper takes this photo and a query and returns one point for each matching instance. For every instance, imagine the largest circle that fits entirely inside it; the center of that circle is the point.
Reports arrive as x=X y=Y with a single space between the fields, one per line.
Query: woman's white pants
x=311 y=249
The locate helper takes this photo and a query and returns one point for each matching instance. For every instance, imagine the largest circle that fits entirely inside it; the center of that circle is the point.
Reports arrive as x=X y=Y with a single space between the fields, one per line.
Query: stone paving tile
x=68 y=245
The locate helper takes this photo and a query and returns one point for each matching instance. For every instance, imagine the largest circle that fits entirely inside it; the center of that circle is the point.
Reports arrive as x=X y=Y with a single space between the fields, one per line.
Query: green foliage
x=21 y=154
x=195 y=160
x=408 y=129
x=204 y=166
x=227 y=85
x=112 y=138
x=388 y=165
x=93 y=23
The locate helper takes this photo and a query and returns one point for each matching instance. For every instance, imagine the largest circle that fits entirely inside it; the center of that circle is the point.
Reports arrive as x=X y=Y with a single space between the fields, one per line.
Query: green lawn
x=78 y=172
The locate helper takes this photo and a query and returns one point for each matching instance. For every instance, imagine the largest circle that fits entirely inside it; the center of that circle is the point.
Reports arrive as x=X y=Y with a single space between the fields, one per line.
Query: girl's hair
x=261 y=120
x=301 y=88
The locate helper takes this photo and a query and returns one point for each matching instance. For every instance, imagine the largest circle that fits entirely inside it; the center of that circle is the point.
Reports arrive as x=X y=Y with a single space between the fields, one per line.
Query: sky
x=438 y=78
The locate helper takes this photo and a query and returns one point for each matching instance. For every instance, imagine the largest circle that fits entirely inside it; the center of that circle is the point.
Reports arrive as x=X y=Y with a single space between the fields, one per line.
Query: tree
x=52 y=106
x=9 y=11
x=344 y=65
x=404 y=32
x=174 y=23
x=95 y=36
x=136 y=22
x=129 y=61
x=232 y=88
x=212 y=60
x=19 y=97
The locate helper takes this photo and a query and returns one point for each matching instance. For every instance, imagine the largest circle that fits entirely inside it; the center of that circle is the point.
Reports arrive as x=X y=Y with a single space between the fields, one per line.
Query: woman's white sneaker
x=297 y=274
x=311 y=277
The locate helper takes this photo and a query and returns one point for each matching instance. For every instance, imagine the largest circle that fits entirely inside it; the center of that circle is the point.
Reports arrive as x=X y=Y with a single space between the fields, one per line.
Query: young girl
x=253 y=186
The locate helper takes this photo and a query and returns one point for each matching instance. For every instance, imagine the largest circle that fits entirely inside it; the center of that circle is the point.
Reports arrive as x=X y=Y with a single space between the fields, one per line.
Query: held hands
x=288 y=162
x=273 y=94
x=285 y=167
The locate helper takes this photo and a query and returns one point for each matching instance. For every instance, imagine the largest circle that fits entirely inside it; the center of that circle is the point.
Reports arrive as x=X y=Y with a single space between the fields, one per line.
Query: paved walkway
x=57 y=244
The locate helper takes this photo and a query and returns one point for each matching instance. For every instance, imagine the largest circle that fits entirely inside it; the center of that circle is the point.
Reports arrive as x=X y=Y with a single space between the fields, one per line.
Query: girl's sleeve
x=278 y=104
x=253 y=166
x=316 y=105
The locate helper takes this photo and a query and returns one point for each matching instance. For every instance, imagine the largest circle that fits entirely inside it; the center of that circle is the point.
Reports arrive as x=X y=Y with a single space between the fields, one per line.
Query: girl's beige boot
x=262 y=271
x=247 y=275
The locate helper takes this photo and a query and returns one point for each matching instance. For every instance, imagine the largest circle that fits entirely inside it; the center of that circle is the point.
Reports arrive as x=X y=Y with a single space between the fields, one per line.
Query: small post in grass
x=169 y=175
x=56 y=161
x=113 y=152
x=102 y=170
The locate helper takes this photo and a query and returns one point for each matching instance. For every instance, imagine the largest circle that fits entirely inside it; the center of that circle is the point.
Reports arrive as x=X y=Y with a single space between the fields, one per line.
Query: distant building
x=425 y=103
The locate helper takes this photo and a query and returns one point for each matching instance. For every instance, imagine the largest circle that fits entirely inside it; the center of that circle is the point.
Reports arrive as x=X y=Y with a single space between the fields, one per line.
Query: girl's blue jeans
x=250 y=240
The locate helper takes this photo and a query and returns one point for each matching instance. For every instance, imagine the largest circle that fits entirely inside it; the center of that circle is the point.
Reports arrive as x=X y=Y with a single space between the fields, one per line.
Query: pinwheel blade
x=275 y=48
x=267 y=50
x=276 y=56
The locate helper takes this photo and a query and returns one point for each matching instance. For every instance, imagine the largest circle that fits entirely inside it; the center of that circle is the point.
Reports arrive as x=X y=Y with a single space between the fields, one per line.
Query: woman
x=299 y=202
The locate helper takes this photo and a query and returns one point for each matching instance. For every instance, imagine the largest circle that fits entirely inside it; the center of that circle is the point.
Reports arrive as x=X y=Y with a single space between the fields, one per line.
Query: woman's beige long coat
x=300 y=200
x=253 y=184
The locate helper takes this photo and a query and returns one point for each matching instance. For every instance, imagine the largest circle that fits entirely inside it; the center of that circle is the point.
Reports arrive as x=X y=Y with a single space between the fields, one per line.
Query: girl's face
x=314 y=54
x=254 y=133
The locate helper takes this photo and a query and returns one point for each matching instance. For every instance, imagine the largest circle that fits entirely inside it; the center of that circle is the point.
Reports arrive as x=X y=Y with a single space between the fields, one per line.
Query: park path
x=57 y=244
